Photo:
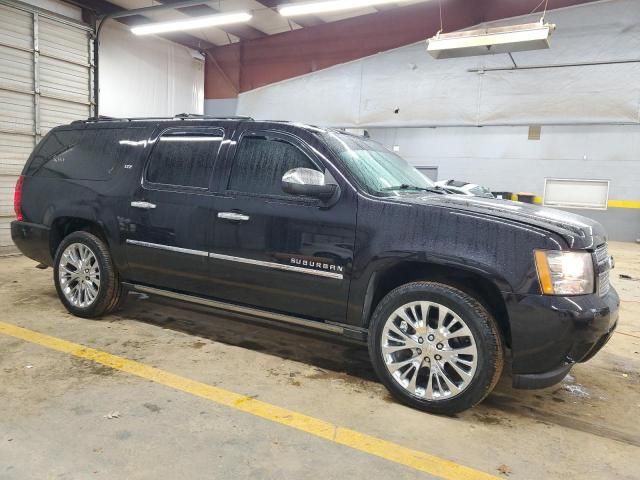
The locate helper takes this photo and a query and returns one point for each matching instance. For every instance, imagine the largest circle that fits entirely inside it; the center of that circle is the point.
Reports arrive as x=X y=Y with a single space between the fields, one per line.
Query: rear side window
x=88 y=154
x=184 y=159
x=54 y=143
x=260 y=163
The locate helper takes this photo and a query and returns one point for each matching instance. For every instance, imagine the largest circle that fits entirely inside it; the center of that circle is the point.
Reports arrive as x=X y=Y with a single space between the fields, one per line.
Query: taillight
x=17 y=198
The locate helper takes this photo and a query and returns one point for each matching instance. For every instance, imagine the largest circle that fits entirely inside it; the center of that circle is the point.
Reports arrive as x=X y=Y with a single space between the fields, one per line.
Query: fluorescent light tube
x=192 y=23
x=292 y=9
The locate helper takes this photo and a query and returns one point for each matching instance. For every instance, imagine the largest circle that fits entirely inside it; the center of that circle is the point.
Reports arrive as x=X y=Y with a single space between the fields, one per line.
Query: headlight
x=565 y=273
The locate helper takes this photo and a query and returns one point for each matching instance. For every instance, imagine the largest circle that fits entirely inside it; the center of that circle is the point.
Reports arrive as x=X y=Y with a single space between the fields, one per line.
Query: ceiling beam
x=243 y=32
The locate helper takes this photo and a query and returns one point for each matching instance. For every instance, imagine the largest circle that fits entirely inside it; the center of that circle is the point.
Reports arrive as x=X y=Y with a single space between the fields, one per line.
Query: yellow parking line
x=344 y=436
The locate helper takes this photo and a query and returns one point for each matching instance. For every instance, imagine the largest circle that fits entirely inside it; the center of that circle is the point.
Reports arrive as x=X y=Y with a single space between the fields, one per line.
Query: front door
x=169 y=213
x=276 y=251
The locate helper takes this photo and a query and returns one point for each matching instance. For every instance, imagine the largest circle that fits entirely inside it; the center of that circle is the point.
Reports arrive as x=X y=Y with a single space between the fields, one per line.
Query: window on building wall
x=569 y=193
x=430 y=172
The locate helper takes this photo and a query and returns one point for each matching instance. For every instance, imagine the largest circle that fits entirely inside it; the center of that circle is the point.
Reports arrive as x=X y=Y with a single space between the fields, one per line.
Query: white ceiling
x=264 y=19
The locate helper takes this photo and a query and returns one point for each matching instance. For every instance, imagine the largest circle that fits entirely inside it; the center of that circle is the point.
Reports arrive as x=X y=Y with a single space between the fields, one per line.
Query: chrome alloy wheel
x=79 y=275
x=429 y=350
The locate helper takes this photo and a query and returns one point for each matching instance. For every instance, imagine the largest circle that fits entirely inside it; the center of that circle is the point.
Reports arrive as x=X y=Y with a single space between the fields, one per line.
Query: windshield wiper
x=406 y=186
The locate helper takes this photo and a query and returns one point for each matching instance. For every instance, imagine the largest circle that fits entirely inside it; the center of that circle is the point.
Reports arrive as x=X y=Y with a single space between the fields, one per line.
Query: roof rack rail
x=213 y=117
x=99 y=118
x=180 y=116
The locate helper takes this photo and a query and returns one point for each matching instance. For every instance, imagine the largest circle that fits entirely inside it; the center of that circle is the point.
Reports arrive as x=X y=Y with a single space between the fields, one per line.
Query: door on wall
x=430 y=172
x=46 y=79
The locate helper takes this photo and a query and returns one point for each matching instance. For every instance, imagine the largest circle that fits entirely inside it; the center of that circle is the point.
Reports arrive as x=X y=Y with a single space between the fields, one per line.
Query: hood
x=578 y=231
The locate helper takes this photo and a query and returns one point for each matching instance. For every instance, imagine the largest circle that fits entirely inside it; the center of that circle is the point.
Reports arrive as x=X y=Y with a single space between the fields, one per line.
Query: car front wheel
x=435 y=347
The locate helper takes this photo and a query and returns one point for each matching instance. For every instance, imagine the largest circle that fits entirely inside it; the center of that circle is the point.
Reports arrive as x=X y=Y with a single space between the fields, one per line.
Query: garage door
x=46 y=78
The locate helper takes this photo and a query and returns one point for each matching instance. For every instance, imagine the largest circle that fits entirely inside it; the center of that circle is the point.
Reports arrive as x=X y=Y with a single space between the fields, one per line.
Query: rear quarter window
x=54 y=143
x=91 y=154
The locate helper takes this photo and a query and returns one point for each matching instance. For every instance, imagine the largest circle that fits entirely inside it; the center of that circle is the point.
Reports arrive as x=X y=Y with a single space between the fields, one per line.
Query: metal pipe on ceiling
x=551 y=65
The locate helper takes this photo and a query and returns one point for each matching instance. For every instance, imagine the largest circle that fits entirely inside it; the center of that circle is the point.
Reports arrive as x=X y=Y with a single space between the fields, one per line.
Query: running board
x=348 y=330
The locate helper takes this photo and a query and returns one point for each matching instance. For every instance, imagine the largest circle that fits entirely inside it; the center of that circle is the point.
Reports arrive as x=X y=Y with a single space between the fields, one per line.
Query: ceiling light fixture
x=307 y=8
x=511 y=38
x=192 y=23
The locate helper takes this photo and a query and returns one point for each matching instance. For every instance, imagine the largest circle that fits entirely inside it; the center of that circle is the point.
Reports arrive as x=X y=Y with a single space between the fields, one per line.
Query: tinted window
x=261 y=162
x=377 y=169
x=55 y=142
x=91 y=154
x=184 y=159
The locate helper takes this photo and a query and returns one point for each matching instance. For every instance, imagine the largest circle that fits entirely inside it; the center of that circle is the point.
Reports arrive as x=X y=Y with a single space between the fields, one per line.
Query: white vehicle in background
x=465 y=188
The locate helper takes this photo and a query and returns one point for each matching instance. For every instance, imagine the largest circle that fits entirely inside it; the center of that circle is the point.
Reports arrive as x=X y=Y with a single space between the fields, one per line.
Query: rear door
x=277 y=251
x=167 y=236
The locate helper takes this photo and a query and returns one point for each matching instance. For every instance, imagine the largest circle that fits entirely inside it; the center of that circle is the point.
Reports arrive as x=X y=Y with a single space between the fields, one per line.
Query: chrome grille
x=603 y=283
x=602 y=253
x=602 y=258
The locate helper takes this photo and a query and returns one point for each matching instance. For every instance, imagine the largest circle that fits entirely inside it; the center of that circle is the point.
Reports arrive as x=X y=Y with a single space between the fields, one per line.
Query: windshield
x=376 y=169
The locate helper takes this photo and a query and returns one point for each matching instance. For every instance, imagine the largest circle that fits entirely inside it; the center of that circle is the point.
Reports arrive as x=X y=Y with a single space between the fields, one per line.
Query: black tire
x=110 y=292
x=487 y=337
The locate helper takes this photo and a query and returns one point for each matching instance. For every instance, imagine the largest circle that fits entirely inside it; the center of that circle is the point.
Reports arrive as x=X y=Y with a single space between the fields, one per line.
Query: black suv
x=323 y=229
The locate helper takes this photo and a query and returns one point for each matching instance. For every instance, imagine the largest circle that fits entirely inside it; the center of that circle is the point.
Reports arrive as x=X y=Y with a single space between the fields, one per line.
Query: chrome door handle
x=237 y=217
x=143 y=205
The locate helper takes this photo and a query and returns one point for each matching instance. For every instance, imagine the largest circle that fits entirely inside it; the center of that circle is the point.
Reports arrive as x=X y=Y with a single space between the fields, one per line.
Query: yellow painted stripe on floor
x=611 y=203
x=393 y=452
x=624 y=203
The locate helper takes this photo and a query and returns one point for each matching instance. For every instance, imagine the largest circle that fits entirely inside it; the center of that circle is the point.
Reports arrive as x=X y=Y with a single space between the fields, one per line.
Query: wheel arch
x=471 y=281
x=65 y=225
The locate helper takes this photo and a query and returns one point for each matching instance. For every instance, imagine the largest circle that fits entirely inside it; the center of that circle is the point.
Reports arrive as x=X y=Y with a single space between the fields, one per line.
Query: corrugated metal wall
x=46 y=77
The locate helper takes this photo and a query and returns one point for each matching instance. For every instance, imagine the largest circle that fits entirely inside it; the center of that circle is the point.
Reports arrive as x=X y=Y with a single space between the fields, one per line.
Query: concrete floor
x=54 y=407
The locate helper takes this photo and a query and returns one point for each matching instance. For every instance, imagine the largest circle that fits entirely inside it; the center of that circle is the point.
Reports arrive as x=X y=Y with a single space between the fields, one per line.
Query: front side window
x=260 y=163
x=184 y=159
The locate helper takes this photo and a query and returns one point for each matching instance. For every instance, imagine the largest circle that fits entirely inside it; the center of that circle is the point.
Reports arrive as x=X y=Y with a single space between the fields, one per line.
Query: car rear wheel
x=85 y=277
x=435 y=347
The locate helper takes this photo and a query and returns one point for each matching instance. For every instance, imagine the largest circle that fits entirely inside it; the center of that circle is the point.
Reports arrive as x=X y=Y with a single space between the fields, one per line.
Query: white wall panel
x=54 y=112
x=16 y=68
x=59 y=41
x=147 y=76
x=323 y=98
x=17 y=111
x=16 y=27
x=7 y=185
x=428 y=92
x=14 y=151
x=64 y=80
x=586 y=94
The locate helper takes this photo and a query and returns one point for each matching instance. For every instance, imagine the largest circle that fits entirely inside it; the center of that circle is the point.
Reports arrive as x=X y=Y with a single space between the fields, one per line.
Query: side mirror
x=305 y=181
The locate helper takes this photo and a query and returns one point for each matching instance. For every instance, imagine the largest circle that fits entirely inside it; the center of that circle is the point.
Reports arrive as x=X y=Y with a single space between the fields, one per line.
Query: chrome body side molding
x=277 y=266
x=167 y=247
x=249 y=261
x=229 y=307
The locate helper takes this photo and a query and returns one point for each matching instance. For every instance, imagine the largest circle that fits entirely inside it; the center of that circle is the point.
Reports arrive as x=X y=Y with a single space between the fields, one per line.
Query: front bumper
x=549 y=334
